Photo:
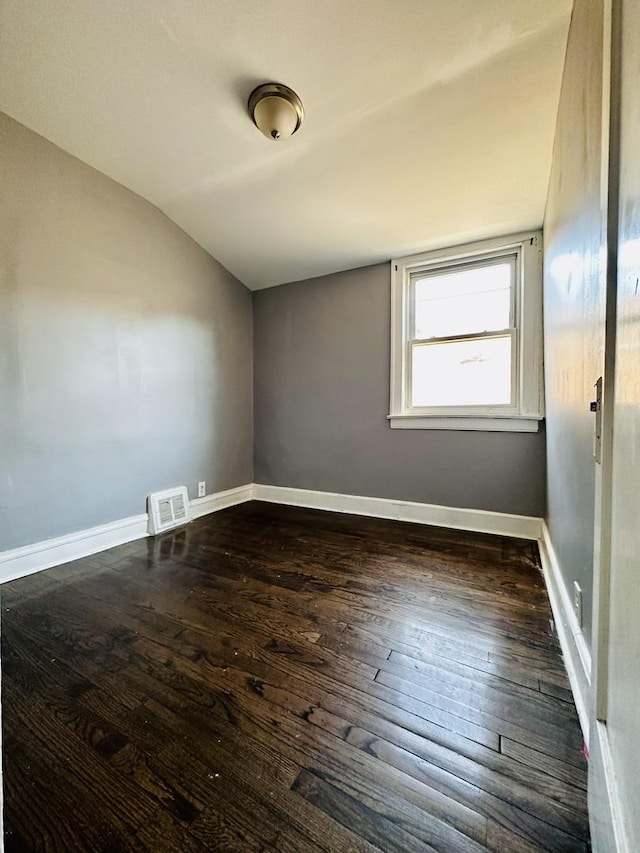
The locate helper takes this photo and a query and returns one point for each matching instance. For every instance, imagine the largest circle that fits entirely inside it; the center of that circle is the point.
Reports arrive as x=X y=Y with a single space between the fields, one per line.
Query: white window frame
x=527 y=407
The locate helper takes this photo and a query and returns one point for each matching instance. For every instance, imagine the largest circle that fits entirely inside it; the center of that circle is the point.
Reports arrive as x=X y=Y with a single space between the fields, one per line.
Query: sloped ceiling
x=427 y=123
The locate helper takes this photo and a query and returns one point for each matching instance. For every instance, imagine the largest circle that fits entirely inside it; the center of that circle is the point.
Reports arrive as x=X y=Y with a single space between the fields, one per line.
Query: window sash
x=496 y=259
x=504 y=408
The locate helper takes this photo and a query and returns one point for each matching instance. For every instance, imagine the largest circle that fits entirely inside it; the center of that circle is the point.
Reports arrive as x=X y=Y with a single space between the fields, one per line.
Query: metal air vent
x=168 y=509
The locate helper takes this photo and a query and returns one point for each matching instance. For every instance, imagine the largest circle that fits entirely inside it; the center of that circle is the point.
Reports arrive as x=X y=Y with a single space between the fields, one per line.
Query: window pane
x=458 y=302
x=462 y=373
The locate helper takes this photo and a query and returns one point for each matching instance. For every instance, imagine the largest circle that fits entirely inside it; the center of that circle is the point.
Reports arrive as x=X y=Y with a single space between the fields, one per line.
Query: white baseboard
x=608 y=833
x=51 y=552
x=576 y=654
x=482 y=521
x=221 y=500
x=29 y=559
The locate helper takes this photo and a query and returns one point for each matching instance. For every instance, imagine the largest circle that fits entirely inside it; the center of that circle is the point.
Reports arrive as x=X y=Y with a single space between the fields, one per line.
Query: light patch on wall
x=571 y=384
x=567 y=269
x=630 y=253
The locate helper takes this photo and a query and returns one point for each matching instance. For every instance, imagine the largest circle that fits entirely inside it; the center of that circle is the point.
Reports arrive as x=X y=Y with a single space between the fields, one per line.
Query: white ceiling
x=428 y=122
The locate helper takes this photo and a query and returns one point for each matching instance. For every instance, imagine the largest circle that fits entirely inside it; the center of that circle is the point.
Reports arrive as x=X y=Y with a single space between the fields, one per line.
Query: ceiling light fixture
x=276 y=110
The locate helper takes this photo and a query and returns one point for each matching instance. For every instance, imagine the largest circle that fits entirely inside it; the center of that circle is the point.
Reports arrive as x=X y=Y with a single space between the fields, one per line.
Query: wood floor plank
x=126 y=777
x=553 y=740
x=561 y=821
x=495 y=773
x=350 y=812
x=42 y=815
x=569 y=773
x=358 y=770
x=500 y=839
x=164 y=834
x=285 y=680
x=501 y=698
x=265 y=661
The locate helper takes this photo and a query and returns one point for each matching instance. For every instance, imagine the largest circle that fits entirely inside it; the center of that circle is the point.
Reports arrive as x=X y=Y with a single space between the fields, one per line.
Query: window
x=466 y=337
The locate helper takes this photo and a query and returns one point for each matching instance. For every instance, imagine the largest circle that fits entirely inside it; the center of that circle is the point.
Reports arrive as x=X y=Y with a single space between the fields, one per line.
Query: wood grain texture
x=272 y=678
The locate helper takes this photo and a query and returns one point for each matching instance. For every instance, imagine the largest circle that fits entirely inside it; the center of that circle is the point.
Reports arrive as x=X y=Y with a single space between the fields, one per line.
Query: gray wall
x=573 y=296
x=623 y=694
x=321 y=397
x=125 y=350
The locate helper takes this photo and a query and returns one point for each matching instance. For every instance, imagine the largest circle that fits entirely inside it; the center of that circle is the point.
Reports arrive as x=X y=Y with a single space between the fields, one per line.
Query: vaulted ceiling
x=427 y=123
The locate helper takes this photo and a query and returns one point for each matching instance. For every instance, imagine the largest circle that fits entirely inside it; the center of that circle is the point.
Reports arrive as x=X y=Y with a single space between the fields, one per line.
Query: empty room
x=320 y=426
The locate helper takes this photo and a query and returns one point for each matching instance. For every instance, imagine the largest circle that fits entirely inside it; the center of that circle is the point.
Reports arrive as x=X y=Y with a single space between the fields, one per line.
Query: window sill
x=486 y=424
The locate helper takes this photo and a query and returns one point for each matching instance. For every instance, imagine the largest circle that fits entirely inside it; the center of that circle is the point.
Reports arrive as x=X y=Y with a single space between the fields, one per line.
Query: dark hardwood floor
x=280 y=679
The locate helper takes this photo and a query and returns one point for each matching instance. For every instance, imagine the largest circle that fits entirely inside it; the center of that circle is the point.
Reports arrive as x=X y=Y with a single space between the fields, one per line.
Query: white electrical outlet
x=202 y=489
x=577 y=602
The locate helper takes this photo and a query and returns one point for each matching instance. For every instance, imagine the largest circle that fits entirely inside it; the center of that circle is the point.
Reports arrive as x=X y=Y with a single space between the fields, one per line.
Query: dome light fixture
x=276 y=110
